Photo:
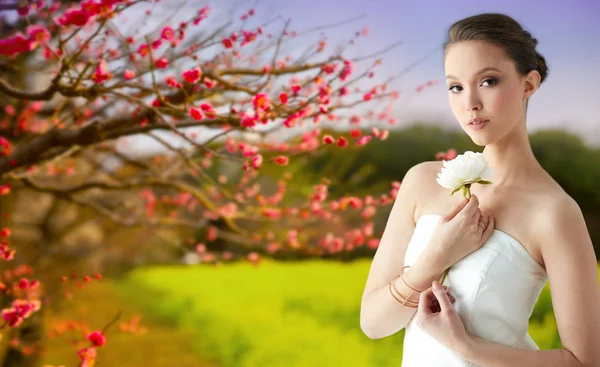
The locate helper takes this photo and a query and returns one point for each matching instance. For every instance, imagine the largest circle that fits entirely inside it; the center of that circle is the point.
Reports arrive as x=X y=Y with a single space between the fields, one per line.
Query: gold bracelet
x=403 y=302
x=401 y=299
x=400 y=294
x=404 y=280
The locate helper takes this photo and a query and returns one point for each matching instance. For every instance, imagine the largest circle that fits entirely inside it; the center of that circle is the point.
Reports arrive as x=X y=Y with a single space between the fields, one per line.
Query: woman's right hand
x=460 y=232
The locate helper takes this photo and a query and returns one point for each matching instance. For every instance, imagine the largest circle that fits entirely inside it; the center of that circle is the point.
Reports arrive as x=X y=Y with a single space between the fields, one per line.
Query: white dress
x=495 y=287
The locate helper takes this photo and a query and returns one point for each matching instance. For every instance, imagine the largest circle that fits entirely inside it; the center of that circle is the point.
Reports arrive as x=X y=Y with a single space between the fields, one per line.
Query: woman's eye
x=491 y=81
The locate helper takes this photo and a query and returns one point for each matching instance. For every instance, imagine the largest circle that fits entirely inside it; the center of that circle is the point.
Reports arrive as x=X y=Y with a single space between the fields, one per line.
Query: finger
x=489 y=229
x=477 y=214
x=446 y=289
x=455 y=210
x=482 y=223
x=441 y=296
x=424 y=306
x=487 y=221
x=436 y=303
x=471 y=206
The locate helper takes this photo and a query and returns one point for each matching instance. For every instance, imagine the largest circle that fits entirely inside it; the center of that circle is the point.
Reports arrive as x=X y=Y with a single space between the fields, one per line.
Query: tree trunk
x=31 y=333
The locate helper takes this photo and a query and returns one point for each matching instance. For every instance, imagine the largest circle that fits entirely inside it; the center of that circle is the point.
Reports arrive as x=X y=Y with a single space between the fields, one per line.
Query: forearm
x=489 y=354
x=382 y=315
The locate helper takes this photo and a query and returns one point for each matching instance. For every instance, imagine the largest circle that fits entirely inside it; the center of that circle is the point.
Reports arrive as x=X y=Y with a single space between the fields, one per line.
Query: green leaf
x=455 y=190
x=484 y=182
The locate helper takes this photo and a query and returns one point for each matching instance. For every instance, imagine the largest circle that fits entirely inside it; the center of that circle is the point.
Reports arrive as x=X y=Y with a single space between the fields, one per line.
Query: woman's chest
x=515 y=216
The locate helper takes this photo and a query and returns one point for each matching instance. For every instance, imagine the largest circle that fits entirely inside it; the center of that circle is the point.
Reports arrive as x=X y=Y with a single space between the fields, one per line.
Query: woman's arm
x=572 y=270
x=380 y=314
x=489 y=354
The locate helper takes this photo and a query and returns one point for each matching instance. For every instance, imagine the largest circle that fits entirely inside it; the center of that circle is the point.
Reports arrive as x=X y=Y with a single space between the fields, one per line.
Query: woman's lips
x=478 y=126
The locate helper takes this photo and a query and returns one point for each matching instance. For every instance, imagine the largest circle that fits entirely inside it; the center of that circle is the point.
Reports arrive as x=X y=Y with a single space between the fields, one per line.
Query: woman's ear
x=532 y=83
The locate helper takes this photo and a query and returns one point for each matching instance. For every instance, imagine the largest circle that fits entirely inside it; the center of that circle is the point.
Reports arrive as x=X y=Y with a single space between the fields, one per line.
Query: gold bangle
x=404 y=280
x=400 y=294
x=401 y=299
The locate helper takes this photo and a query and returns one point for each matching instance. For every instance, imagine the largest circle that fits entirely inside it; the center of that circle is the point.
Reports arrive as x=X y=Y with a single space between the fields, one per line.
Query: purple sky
x=568 y=33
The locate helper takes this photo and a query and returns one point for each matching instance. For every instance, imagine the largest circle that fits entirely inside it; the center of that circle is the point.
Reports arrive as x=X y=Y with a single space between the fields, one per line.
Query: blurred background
x=206 y=183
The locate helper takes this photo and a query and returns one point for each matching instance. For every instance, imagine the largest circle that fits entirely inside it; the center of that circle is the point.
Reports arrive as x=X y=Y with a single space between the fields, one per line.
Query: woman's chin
x=479 y=140
x=479 y=137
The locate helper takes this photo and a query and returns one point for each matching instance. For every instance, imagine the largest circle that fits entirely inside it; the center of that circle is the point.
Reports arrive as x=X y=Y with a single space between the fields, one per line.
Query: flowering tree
x=227 y=103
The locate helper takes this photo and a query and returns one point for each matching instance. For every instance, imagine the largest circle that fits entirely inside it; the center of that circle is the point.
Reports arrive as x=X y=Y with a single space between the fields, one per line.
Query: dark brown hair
x=505 y=32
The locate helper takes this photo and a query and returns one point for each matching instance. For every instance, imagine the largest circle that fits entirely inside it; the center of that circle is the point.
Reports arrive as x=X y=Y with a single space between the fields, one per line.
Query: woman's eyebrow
x=489 y=68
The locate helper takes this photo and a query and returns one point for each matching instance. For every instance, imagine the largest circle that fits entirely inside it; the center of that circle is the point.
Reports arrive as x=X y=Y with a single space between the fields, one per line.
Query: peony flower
x=463 y=171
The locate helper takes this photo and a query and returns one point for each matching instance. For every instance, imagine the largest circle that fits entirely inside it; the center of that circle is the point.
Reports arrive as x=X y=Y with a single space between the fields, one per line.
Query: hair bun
x=529 y=36
x=542 y=67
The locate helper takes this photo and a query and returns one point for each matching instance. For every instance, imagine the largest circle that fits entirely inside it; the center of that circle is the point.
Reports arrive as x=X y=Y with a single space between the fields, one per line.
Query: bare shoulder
x=560 y=223
x=427 y=167
x=421 y=173
x=424 y=185
x=427 y=171
x=554 y=203
x=558 y=211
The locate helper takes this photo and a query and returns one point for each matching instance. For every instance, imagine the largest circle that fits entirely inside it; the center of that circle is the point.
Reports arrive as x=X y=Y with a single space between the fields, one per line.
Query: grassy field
x=281 y=314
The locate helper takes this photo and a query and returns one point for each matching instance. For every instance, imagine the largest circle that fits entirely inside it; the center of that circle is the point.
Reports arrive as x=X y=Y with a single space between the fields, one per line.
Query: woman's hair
x=505 y=32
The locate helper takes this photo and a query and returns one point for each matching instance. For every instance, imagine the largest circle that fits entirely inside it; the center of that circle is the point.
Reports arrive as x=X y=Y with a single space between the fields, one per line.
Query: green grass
x=281 y=314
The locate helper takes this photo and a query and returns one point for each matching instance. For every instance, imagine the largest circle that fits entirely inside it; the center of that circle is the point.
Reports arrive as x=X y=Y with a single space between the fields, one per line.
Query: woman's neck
x=511 y=159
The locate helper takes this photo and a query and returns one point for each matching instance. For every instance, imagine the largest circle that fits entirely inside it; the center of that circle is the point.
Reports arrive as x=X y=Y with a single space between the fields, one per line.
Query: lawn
x=281 y=314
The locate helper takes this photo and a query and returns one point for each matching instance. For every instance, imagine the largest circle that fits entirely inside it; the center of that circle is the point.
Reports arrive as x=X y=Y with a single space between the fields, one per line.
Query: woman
x=501 y=245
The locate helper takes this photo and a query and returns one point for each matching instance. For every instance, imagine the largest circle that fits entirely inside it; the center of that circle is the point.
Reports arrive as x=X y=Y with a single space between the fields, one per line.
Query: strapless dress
x=496 y=288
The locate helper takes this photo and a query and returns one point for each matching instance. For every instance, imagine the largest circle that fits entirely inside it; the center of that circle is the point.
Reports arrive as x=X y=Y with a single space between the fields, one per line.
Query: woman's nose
x=473 y=103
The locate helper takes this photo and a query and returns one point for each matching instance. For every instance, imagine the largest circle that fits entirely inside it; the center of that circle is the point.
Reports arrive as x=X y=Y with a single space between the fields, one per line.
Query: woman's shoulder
x=547 y=191
x=422 y=184
x=426 y=169
x=422 y=176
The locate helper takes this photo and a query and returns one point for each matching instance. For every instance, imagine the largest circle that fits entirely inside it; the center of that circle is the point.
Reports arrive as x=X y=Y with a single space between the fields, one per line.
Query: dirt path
x=162 y=344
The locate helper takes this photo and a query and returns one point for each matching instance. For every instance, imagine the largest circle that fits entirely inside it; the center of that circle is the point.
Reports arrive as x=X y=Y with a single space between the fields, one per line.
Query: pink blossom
x=167 y=33
x=38 y=35
x=196 y=113
x=15 y=45
x=162 y=63
x=144 y=49
x=97 y=339
x=257 y=161
x=227 y=43
x=102 y=74
x=192 y=75
x=128 y=74
x=74 y=16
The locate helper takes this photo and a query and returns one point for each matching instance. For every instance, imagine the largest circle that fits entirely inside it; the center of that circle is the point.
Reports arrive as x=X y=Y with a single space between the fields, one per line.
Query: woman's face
x=484 y=83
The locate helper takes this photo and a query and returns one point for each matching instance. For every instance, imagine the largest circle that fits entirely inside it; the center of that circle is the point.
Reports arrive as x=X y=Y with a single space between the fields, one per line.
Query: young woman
x=501 y=245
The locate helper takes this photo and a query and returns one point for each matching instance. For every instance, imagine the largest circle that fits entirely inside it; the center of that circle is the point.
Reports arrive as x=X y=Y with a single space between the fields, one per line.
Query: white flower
x=464 y=170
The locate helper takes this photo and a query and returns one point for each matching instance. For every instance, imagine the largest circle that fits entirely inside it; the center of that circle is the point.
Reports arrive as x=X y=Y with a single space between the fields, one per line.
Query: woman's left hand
x=437 y=317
